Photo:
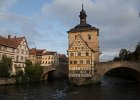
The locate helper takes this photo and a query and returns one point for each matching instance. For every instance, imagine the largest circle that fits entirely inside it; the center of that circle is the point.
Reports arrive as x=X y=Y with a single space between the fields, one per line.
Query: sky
x=45 y=23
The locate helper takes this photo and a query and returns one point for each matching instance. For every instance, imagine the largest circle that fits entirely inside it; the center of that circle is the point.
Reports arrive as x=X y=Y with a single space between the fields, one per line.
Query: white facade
x=50 y=58
x=17 y=49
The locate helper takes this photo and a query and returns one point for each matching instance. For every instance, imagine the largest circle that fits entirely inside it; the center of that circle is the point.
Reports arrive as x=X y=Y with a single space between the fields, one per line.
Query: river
x=109 y=89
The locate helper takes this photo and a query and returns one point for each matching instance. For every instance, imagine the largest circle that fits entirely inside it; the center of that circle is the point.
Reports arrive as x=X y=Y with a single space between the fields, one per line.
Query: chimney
x=9 y=36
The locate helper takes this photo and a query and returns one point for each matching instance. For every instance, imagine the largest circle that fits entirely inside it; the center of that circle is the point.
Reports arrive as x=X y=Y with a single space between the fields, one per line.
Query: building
x=15 y=48
x=35 y=55
x=50 y=58
x=43 y=57
x=83 y=51
x=63 y=59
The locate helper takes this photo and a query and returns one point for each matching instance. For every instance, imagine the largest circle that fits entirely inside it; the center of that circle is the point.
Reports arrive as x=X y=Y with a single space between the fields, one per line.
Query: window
x=17 y=58
x=79 y=53
x=87 y=54
x=49 y=57
x=21 y=57
x=70 y=62
x=75 y=62
x=71 y=54
x=88 y=61
x=81 y=61
x=89 y=36
x=76 y=36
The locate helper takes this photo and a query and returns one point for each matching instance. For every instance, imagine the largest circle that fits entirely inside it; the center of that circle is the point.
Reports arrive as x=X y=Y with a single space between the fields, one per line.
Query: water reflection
x=110 y=89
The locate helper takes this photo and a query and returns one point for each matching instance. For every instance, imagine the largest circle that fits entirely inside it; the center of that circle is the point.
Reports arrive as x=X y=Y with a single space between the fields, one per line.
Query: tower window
x=76 y=36
x=89 y=36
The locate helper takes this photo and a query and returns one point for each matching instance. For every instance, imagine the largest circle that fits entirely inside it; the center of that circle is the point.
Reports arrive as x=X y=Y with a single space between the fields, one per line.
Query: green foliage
x=126 y=55
x=5 y=66
x=32 y=72
x=137 y=52
x=28 y=63
x=123 y=54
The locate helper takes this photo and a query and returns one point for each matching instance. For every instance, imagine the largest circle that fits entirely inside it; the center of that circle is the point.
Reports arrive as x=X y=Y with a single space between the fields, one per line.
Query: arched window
x=89 y=36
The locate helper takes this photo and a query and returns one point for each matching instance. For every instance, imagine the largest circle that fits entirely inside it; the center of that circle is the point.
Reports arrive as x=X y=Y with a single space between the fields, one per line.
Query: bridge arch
x=124 y=72
x=58 y=74
x=104 y=67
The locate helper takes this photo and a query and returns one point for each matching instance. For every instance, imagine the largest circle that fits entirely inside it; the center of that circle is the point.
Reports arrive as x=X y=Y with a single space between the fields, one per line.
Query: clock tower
x=83 y=51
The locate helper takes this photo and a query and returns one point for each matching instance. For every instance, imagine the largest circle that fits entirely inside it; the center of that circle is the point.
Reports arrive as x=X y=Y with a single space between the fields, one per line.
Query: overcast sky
x=45 y=22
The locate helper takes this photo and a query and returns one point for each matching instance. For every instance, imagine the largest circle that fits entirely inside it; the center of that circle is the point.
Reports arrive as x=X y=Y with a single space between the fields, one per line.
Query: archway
x=54 y=74
x=124 y=73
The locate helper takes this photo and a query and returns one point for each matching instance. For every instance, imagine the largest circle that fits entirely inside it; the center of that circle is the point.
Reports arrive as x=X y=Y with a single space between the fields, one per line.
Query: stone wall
x=4 y=81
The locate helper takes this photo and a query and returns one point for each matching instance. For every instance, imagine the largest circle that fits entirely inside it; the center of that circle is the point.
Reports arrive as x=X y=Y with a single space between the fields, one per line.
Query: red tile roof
x=49 y=53
x=32 y=51
x=38 y=52
x=11 y=42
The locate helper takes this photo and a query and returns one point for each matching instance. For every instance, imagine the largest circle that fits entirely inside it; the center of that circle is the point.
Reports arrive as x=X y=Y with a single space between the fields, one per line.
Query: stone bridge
x=63 y=68
x=103 y=67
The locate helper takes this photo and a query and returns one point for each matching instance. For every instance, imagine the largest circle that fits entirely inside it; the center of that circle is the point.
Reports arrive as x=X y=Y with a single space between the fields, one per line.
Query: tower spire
x=82 y=16
x=82 y=8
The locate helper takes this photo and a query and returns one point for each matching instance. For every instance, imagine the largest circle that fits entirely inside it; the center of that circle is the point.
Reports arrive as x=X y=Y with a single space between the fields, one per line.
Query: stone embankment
x=4 y=81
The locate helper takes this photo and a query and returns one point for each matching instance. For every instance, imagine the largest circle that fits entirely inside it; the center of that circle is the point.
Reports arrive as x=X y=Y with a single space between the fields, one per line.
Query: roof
x=32 y=51
x=11 y=42
x=49 y=53
x=83 y=26
x=38 y=52
x=63 y=56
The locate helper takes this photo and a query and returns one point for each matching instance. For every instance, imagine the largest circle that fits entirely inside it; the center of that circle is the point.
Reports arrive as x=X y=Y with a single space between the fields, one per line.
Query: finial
x=82 y=7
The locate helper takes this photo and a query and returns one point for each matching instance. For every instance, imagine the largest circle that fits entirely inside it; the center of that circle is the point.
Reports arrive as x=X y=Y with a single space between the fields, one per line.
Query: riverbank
x=7 y=81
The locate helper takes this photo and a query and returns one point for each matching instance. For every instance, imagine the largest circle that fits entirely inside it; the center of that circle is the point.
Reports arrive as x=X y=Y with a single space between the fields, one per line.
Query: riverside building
x=83 y=51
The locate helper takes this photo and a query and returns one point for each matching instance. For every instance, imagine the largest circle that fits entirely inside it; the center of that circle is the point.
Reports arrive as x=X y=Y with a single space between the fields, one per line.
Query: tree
x=123 y=54
x=116 y=59
x=5 y=66
x=137 y=52
x=33 y=72
x=28 y=63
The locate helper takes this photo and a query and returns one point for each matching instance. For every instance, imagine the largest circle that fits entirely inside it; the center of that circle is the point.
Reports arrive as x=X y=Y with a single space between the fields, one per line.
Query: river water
x=109 y=89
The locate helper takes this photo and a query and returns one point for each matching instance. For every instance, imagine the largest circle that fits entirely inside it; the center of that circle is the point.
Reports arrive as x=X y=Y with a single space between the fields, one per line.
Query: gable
x=79 y=44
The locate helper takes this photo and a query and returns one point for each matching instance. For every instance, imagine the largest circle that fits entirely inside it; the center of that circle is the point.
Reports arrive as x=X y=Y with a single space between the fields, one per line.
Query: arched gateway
x=61 y=68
